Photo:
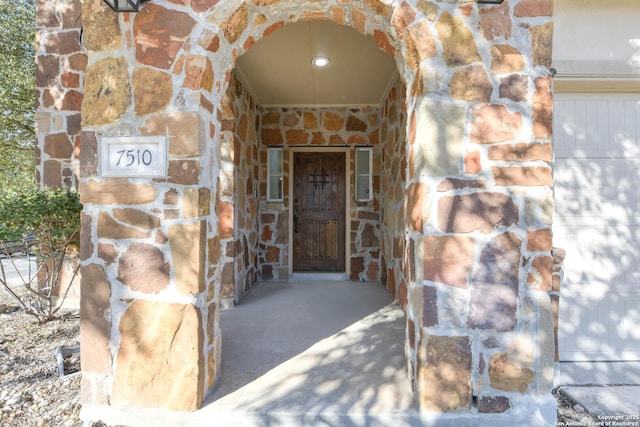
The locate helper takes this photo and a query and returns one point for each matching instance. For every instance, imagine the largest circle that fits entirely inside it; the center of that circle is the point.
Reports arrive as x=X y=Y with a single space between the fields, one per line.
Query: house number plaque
x=133 y=156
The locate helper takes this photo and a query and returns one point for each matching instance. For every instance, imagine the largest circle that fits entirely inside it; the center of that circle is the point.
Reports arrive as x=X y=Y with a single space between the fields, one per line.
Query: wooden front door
x=319 y=203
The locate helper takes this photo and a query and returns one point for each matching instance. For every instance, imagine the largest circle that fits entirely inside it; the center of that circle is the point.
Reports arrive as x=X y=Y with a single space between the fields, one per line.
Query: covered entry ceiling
x=278 y=72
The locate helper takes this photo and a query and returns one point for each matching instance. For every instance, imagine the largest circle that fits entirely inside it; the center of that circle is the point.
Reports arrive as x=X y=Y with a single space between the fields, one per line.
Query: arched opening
x=278 y=107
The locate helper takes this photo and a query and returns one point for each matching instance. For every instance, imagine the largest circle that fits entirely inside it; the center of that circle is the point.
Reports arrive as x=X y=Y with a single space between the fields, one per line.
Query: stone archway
x=475 y=254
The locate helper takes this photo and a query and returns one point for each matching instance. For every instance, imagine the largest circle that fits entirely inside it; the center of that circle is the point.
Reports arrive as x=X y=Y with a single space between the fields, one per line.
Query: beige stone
x=458 y=44
x=182 y=128
x=196 y=202
x=506 y=59
x=541 y=44
x=101 y=27
x=109 y=228
x=420 y=44
x=152 y=90
x=137 y=218
x=233 y=26
x=441 y=128
x=471 y=84
x=508 y=375
x=95 y=320
x=107 y=92
x=188 y=244
x=116 y=191
x=525 y=176
x=445 y=374
x=160 y=362
x=521 y=152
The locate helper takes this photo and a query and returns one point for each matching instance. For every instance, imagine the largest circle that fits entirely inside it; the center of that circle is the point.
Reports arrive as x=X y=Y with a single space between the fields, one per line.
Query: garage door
x=597 y=222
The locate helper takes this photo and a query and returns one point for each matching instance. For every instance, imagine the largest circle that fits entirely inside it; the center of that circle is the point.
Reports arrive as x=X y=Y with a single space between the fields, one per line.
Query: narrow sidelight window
x=275 y=172
x=364 y=191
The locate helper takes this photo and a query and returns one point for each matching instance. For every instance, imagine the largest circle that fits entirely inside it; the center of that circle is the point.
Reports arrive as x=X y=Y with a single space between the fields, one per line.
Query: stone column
x=479 y=209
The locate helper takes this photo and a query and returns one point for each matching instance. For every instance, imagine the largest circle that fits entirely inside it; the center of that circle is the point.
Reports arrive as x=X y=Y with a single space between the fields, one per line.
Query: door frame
x=347 y=211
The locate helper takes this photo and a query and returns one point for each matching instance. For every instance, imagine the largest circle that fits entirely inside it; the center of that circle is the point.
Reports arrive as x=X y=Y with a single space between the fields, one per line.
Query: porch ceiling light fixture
x=489 y=1
x=320 y=61
x=124 y=5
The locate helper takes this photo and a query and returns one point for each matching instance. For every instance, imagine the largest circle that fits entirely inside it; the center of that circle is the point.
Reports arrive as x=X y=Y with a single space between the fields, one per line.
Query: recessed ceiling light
x=320 y=61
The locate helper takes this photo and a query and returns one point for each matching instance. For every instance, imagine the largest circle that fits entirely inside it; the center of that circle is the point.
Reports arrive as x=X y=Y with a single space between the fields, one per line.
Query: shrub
x=52 y=218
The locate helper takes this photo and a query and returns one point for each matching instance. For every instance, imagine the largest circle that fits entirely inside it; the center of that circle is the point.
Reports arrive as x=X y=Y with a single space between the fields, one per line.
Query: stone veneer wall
x=239 y=189
x=60 y=64
x=393 y=143
x=321 y=127
x=478 y=199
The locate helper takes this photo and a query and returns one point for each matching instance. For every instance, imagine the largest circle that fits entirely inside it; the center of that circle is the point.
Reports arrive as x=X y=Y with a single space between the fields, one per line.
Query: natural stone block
x=62 y=42
x=88 y=154
x=525 y=176
x=227 y=288
x=186 y=172
x=458 y=44
x=416 y=215
x=540 y=240
x=109 y=228
x=471 y=84
x=116 y=191
x=531 y=8
x=196 y=202
x=101 y=27
x=137 y=218
x=188 y=244
x=198 y=73
x=382 y=40
x=58 y=146
x=509 y=375
x=297 y=137
x=445 y=374
x=515 y=87
x=541 y=44
x=271 y=137
x=448 y=259
x=152 y=90
x=429 y=306
x=159 y=34
x=540 y=273
x=225 y=213
x=143 y=268
x=521 y=152
x=107 y=91
x=482 y=212
x=449 y=184
x=332 y=121
x=493 y=404
x=95 y=320
x=52 y=173
x=495 y=21
x=494 y=289
x=506 y=59
x=182 y=128
x=160 y=362
x=441 y=128
x=236 y=23
x=494 y=123
x=47 y=70
x=543 y=108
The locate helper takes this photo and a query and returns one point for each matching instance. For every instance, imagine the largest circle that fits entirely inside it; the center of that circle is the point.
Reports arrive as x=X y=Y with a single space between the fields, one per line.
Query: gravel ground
x=32 y=394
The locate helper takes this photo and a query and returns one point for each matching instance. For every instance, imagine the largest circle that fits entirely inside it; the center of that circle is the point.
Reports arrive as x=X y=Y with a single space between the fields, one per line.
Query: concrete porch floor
x=314 y=353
